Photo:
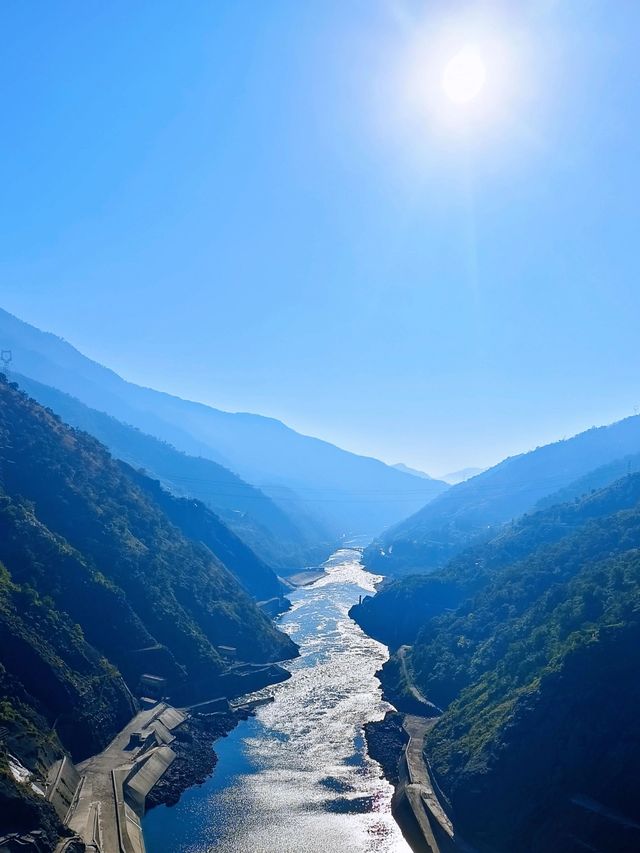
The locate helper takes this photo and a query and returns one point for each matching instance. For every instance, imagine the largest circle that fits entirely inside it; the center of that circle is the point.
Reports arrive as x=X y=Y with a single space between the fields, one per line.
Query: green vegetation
x=530 y=643
x=72 y=684
x=555 y=717
x=457 y=647
x=402 y=607
x=472 y=512
x=594 y=480
x=201 y=525
x=99 y=583
x=186 y=599
x=280 y=541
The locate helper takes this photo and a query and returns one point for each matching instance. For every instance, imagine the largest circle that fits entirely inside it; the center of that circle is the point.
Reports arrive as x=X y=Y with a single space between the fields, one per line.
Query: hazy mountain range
x=400 y=466
x=455 y=477
x=269 y=530
x=511 y=608
x=315 y=483
x=469 y=511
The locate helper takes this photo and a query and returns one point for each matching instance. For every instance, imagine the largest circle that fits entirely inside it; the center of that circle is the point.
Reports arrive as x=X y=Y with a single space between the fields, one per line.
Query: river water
x=296 y=778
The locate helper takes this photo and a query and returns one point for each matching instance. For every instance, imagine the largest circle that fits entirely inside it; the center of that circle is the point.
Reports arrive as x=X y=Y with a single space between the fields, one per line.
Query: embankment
x=397 y=744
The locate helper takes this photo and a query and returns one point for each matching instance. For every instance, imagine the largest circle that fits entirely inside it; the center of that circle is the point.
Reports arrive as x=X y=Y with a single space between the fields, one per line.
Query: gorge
x=297 y=776
x=320 y=427
x=145 y=644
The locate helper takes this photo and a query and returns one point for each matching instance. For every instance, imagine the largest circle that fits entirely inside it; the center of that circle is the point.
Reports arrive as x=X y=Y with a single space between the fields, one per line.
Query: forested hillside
x=99 y=584
x=472 y=511
x=250 y=513
x=530 y=644
x=199 y=524
x=546 y=732
x=593 y=480
x=402 y=607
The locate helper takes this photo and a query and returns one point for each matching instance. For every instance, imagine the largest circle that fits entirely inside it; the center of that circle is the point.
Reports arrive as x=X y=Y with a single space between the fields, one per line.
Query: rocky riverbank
x=195 y=756
x=386 y=740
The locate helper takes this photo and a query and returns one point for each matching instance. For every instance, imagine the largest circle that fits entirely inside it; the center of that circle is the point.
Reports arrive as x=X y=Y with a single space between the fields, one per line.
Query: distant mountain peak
x=460 y=476
x=400 y=466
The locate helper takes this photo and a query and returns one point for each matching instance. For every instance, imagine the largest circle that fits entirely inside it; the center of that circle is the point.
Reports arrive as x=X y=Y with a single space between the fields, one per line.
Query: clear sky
x=268 y=206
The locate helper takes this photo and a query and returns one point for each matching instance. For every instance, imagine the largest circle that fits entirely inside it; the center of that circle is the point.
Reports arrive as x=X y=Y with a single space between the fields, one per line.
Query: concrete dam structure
x=103 y=799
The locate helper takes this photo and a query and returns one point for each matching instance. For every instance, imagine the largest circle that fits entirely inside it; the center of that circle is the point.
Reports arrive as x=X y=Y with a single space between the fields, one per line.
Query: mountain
x=474 y=509
x=130 y=532
x=529 y=644
x=544 y=729
x=55 y=687
x=251 y=514
x=593 y=481
x=455 y=477
x=201 y=525
x=402 y=607
x=400 y=466
x=341 y=491
x=104 y=576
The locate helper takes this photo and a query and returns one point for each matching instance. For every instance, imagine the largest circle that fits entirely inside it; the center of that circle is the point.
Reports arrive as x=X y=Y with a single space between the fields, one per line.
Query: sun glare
x=464 y=76
x=452 y=84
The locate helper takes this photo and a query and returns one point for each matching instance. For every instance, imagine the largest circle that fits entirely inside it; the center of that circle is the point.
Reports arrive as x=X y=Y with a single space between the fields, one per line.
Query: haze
x=250 y=210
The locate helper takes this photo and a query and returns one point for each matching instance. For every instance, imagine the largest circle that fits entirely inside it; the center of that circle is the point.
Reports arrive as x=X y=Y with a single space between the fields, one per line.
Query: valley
x=320 y=427
x=188 y=664
x=297 y=776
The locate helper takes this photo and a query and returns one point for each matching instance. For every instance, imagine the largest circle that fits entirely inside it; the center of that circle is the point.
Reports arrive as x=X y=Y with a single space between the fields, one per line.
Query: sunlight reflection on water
x=297 y=778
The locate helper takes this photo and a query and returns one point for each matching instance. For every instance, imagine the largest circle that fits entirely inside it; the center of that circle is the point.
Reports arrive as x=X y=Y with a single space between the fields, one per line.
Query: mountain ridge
x=529 y=645
x=346 y=492
x=250 y=513
x=105 y=579
x=470 y=511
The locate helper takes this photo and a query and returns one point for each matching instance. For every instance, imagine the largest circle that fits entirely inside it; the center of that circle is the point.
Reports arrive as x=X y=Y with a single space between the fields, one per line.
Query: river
x=296 y=778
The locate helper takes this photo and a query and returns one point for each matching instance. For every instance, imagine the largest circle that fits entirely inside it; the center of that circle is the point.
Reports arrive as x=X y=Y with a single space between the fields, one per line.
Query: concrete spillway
x=110 y=795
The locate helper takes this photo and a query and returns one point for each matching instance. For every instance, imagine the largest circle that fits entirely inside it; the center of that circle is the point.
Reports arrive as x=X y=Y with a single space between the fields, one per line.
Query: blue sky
x=247 y=204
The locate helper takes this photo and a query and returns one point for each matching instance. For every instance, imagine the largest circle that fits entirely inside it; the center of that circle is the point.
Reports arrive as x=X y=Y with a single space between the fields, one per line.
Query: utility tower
x=6 y=357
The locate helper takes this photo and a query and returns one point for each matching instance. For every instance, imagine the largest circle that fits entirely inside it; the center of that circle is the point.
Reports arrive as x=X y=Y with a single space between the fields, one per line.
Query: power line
x=249 y=486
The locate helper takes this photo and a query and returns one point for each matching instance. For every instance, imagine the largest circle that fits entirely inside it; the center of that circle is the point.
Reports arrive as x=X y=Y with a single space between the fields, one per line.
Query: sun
x=464 y=76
